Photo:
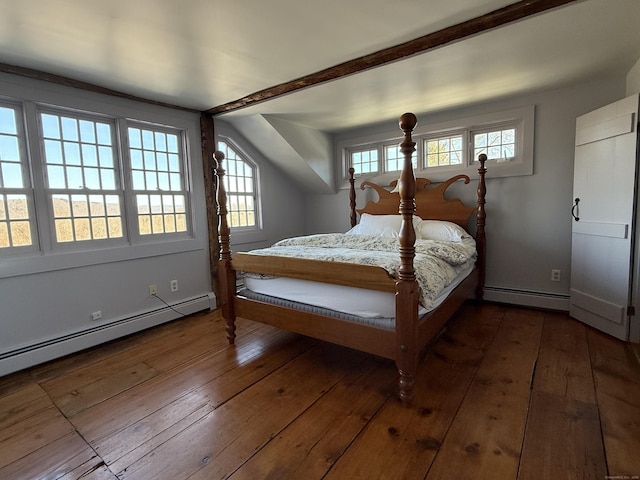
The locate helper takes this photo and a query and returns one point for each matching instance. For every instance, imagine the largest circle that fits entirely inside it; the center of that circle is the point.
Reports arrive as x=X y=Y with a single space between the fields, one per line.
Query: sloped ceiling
x=200 y=54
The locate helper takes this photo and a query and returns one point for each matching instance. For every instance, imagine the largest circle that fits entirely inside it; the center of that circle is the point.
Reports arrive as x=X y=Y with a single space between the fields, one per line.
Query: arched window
x=240 y=184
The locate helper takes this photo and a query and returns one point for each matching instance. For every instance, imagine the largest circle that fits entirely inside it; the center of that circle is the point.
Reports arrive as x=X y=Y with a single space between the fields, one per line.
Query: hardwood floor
x=505 y=393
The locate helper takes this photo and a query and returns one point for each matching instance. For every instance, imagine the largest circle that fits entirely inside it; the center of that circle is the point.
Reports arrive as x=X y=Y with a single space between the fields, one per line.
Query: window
x=98 y=181
x=79 y=158
x=496 y=144
x=16 y=202
x=443 y=151
x=158 y=181
x=240 y=185
x=448 y=148
x=364 y=161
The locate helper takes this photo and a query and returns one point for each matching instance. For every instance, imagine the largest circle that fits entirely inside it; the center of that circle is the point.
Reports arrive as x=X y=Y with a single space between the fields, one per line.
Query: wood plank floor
x=505 y=393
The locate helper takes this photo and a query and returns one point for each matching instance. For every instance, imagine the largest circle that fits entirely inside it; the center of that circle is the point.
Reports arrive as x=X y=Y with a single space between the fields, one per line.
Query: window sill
x=39 y=262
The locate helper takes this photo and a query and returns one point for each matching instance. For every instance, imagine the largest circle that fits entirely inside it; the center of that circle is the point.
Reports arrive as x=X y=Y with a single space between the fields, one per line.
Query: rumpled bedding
x=436 y=262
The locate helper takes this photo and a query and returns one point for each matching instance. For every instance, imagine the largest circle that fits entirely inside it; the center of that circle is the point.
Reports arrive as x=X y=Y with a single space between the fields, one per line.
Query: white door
x=602 y=240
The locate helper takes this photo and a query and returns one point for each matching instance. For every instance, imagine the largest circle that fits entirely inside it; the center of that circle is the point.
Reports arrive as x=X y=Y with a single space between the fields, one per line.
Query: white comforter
x=436 y=263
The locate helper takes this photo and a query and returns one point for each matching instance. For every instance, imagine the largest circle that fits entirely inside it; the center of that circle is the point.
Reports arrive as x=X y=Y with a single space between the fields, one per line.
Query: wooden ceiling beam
x=497 y=18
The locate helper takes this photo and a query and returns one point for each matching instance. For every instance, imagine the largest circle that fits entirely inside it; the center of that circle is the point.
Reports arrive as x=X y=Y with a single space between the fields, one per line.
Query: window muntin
x=443 y=151
x=240 y=185
x=497 y=144
x=16 y=214
x=158 y=180
x=82 y=175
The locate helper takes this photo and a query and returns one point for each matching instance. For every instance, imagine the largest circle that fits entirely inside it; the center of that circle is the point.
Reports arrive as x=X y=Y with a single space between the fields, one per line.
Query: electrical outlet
x=174 y=285
x=153 y=289
x=96 y=315
x=555 y=275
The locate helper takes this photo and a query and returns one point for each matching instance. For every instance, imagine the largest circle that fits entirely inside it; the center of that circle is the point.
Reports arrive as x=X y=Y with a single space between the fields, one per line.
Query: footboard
x=337 y=273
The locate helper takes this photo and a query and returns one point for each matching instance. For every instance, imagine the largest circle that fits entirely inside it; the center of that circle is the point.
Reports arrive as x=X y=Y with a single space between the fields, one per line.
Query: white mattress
x=351 y=300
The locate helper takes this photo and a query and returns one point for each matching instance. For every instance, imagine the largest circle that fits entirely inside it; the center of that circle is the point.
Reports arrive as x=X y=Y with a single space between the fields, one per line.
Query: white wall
x=46 y=301
x=633 y=79
x=528 y=217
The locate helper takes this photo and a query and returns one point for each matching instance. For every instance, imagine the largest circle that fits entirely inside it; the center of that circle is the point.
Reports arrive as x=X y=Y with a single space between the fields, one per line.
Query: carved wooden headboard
x=431 y=203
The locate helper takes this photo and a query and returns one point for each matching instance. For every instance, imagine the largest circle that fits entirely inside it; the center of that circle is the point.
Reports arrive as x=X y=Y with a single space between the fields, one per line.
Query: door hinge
x=631 y=310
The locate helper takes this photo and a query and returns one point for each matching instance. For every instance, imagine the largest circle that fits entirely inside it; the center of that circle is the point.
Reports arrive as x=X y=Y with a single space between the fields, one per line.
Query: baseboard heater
x=33 y=354
x=527 y=298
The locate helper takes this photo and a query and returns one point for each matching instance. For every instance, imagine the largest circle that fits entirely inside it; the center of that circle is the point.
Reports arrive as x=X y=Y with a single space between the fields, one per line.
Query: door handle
x=575 y=210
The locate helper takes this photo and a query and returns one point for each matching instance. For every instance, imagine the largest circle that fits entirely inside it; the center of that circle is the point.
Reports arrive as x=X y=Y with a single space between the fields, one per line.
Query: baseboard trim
x=527 y=298
x=55 y=347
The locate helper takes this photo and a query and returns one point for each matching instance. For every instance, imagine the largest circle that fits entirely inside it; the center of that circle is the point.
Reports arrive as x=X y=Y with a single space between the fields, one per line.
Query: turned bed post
x=407 y=287
x=227 y=274
x=352 y=196
x=481 y=241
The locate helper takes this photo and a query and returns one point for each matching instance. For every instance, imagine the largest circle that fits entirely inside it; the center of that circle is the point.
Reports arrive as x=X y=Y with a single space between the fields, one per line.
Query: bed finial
x=407 y=122
x=227 y=274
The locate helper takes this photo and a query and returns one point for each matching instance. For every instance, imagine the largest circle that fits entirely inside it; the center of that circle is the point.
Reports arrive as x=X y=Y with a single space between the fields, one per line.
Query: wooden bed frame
x=412 y=334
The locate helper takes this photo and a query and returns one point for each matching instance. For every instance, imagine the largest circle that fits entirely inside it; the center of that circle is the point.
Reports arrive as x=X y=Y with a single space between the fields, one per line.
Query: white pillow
x=382 y=225
x=442 y=230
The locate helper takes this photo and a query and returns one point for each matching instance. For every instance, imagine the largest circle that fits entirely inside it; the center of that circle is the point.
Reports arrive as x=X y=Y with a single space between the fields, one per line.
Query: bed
x=411 y=317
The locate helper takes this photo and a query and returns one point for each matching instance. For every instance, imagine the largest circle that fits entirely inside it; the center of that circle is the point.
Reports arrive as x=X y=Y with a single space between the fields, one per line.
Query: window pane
x=443 y=151
x=11 y=175
x=55 y=176
x=82 y=229
x=15 y=227
x=4 y=235
x=64 y=230
x=365 y=161
x=79 y=206
x=92 y=178
x=499 y=145
x=50 y=126
x=20 y=234
x=87 y=132
x=61 y=206
x=69 y=128
x=96 y=206
x=18 y=208
x=8 y=121
x=53 y=151
x=89 y=155
x=9 y=150
x=72 y=153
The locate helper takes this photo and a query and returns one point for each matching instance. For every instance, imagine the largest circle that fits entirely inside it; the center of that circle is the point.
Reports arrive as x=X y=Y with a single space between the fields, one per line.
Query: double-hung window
x=82 y=178
x=158 y=180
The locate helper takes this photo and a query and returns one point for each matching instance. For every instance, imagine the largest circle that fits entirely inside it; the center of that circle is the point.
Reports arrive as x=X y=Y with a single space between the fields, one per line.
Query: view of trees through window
x=85 y=184
x=15 y=225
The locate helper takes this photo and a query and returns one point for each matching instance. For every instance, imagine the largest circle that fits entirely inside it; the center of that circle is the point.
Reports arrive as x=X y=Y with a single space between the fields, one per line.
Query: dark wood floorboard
x=505 y=393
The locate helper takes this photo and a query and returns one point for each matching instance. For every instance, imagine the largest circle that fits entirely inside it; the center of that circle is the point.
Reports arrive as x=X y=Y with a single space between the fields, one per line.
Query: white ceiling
x=204 y=53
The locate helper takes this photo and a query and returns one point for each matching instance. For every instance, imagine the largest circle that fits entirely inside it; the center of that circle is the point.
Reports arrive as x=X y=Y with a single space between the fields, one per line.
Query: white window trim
x=32 y=93
x=245 y=235
x=522 y=165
